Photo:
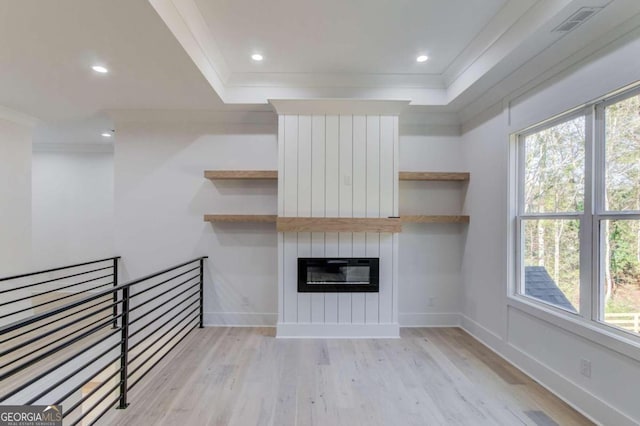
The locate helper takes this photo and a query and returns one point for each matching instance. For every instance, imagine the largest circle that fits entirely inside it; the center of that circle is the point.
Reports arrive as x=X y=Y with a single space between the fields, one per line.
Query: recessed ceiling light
x=422 y=58
x=256 y=57
x=100 y=69
x=106 y=134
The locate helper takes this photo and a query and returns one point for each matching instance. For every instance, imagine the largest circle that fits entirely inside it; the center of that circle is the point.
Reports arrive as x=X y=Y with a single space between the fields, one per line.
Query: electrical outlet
x=431 y=301
x=585 y=367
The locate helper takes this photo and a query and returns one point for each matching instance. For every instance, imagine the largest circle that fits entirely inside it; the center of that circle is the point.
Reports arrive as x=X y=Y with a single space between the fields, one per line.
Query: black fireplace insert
x=338 y=274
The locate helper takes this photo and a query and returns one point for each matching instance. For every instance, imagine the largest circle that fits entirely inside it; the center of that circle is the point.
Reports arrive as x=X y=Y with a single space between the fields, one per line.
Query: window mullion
x=587 y=278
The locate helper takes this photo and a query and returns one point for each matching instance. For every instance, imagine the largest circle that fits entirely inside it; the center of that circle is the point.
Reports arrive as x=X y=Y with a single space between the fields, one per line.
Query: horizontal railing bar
x=58 y=289
x=23 y=356
x=74 y=372
x=55 y=320
x=55 y=367
x=163 y=282
x=161 y=306
x=129 y=284
x=90 y=394
x=55 y=330
x=98 y=402
x=50 y=352
x=162 y=357
x=131 y=348
x=157 y=318
x=162 y=294
x=57 y=269
x=35 y=318
x=54 y=300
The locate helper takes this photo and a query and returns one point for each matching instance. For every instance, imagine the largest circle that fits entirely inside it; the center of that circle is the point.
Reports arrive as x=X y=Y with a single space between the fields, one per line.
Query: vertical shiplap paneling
x=387 y=191
x=290 y=252
x=396 y=168
x=332 y=206
x=290 y=209
x=358 y=299
x=304 y=205
x=317 y=203
x=373 y=166
x=359 y=206
x=396 y=212
x=373 y=207
x=281 y=212
x=386 y=166
x=346 y=205
x=385 y=296
x=371 y=302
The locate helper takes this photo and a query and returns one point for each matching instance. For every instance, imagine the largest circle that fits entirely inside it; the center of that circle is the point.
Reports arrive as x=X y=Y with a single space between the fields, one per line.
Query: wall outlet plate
x=585 y=367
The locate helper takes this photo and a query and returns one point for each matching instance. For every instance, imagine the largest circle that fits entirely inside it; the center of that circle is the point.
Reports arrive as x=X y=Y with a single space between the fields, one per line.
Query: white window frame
x=589 y=321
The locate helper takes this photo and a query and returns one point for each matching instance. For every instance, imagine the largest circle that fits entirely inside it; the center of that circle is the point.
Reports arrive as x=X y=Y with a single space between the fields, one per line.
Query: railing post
x=201 y=292
x=115 y=293
x=124 y=348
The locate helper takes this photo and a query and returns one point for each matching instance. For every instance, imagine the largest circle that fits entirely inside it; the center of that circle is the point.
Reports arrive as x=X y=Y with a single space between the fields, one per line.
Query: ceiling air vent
x=580 y=16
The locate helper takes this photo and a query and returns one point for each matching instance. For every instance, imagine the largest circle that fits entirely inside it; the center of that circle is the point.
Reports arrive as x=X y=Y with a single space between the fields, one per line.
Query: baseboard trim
x=338 y=331
x=240 y=319
x=578 y=398
x=423 y=319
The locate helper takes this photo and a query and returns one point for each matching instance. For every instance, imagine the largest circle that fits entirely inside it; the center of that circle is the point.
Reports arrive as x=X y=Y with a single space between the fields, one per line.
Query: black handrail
x=102 y=276
x=87 y=344
x=28 y=274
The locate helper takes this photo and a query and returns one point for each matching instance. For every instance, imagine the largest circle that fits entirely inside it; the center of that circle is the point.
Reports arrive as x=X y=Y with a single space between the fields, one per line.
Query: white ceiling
x=337 y=36
x=366 y=49
x=198 y=58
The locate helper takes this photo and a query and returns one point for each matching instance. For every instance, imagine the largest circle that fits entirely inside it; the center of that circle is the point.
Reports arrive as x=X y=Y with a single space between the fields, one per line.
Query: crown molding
x=338 y=106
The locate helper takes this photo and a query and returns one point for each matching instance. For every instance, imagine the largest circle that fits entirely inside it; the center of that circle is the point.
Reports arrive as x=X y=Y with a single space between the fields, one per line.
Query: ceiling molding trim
x=259 y=118
x=17 y=117
x=359 y=80
x=82 y=148
x=188 y=27
x=505 y=46
x=338 y=106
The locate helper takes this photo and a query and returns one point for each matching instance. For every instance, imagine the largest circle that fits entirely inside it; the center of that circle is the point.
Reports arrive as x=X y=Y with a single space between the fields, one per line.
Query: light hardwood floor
x=244 y=376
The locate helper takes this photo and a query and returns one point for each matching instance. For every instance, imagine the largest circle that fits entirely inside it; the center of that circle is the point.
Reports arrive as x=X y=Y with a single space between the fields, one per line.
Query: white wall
x=545 y=346
x=430 y=255
x=72 y=206
x=161 y=197
x=15 y=196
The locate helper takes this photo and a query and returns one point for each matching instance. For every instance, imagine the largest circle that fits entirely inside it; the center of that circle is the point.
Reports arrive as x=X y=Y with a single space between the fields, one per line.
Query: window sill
x=592 y=331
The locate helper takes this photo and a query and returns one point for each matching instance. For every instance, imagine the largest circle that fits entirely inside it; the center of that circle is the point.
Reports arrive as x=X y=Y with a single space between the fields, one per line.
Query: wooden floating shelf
x=435 y=176
x=241 y=174
x=237 y=218
x=338 y=224
x=335 y=224
x=273 y=174
x=435 y=219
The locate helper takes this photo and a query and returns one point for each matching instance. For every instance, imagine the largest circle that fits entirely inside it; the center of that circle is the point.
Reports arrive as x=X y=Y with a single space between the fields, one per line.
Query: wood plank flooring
x=244 y=376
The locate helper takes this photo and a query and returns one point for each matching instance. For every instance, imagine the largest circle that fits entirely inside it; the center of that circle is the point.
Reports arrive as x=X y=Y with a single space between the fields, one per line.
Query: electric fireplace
x=338 y=274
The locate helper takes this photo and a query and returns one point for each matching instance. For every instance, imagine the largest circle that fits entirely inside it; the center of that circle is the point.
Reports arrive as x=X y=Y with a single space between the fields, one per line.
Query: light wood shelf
x=338 y=224
x=241 y=174
x=273 y=174
x=237 y=218
x=435 y=176
x=435 y=219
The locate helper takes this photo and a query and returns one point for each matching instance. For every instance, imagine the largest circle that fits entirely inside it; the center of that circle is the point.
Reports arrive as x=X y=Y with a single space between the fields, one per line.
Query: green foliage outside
x=555 y=183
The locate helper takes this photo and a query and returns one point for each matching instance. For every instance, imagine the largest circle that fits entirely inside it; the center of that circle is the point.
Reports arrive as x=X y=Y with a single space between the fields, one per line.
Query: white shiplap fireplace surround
x=338 y=159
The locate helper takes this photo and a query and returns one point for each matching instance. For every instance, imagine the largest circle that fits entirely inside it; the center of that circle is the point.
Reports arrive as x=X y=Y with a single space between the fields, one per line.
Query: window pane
x=620 y=284
x=554 y=168
x=622 y=169
x=551 y=259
